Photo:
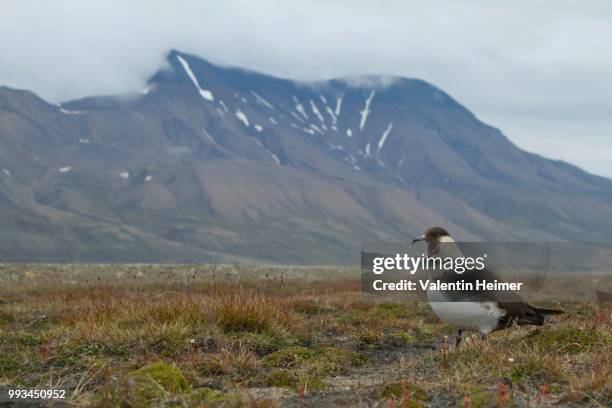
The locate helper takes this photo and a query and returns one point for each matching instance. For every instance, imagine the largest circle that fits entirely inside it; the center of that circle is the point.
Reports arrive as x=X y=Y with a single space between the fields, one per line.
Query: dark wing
x=516 y=308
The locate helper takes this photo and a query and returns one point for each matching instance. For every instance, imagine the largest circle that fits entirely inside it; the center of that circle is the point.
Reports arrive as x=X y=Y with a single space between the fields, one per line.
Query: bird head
x=434 y=236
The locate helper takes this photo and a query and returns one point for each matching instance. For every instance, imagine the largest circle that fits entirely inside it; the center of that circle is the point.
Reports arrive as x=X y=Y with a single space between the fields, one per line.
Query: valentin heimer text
x=427 y=265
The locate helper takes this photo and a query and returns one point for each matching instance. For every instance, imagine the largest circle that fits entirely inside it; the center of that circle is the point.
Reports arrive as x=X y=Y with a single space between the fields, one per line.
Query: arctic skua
x=485 y=310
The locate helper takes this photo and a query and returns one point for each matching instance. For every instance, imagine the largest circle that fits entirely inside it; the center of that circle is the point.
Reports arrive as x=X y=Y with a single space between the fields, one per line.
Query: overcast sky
x=540 y=71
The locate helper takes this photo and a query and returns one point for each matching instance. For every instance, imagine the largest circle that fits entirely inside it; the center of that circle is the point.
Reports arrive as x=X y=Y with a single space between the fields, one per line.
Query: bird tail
x=538 y=316
x=547 y=312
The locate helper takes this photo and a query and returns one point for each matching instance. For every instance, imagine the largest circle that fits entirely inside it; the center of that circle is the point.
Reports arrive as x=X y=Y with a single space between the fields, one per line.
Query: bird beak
x=421 y=238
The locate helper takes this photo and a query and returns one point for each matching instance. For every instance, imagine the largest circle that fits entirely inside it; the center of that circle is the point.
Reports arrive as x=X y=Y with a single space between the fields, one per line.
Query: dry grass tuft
x=252 y=312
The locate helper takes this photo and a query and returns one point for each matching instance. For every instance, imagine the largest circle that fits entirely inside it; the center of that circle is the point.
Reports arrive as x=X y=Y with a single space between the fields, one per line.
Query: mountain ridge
x=214 y=164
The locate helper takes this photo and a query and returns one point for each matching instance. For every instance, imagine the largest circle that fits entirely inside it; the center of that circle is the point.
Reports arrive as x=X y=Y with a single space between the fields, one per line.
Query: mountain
x=217 y=164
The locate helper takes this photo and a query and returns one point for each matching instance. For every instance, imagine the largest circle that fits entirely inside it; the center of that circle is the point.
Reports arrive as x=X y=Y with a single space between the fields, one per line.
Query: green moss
x=97 y=348
x=169 y=377
x=266 y=343
x=369 y=338
x=388 y=306
x=398 y=339
x=567 y=339
x=393 y=310
x=169 y=343
x=330 y=359
x=145 y=387
x=283 y=378
x=289 y=357
x=375 y=339
x=236 y=365
x=31 y=340
x=317 y=363
x=289 y=378
x=397 y=390
x=335 y=361
x=383 y=312
x=6 y=318
x=9 y=364
x=534 y=370
x=206 y=397
x=484 y=399
x=13 y=338
x=78 y=352
x=354 y=317
x=427 y=332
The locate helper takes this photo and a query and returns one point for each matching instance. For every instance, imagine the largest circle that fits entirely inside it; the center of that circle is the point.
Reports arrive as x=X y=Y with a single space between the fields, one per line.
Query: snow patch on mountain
x=204 y=93
x=223 y=105
x=300 y=108
x=316 y=128
x=366 y=110
x=298 y=117
x=274 y=157
x=332 y=115
x=316 y=111
x=338 y=105
x=209 y=136
x=70 y=112
x=242 y=117
x=261 y=100
x=384 y=136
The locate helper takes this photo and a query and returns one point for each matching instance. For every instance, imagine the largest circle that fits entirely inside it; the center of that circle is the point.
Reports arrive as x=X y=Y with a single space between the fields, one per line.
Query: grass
x=252 y=336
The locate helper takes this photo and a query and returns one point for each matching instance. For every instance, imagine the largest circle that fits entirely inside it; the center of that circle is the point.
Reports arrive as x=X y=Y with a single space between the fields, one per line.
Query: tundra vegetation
x=163 y=335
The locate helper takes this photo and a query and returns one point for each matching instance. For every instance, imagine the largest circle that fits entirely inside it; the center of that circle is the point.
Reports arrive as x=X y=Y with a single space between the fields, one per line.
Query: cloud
x=517 y=63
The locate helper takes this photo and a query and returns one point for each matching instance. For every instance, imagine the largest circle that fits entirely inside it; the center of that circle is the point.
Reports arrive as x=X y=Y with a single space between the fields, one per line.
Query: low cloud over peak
x=535 y=71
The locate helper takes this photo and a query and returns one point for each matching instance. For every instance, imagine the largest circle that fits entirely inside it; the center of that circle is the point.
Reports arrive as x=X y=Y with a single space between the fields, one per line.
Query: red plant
x=405 y=395
x=107 y=374
x=301 y=392
x=467 y=402
x=502 y=392
x=44 y=351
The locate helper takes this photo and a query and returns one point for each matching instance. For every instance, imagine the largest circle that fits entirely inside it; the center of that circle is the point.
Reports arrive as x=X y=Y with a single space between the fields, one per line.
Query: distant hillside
x=214 y=164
